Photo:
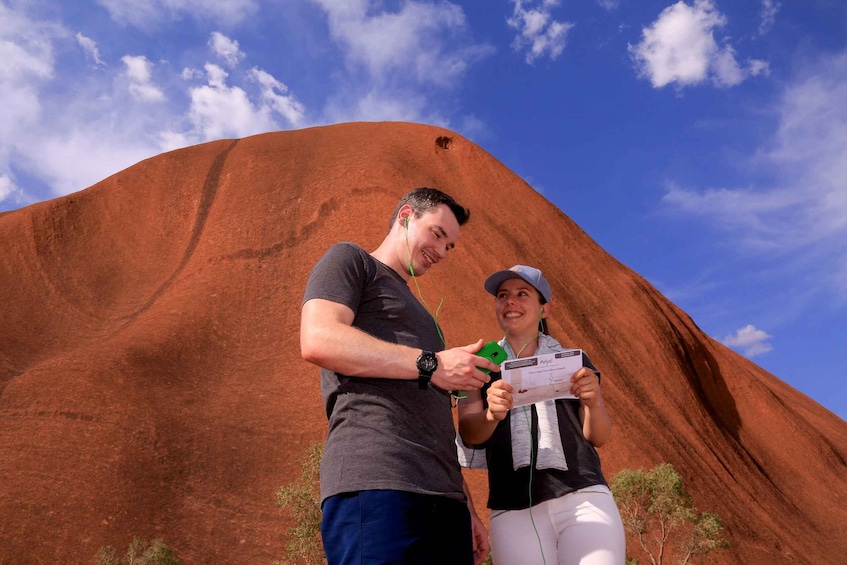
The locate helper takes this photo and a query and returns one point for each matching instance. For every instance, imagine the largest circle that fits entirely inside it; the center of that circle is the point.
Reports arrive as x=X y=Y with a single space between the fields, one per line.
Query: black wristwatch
x=427 y=364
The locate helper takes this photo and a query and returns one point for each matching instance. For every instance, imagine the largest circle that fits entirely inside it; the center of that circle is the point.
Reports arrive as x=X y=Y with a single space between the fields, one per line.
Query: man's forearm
x=352 y=352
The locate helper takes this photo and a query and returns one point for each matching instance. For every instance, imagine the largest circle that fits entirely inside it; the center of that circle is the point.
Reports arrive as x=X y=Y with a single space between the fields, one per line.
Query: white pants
x=583 y=527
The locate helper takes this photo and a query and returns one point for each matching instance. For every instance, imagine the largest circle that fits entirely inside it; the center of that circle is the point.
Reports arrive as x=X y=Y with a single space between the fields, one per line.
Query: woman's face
x=518 y=307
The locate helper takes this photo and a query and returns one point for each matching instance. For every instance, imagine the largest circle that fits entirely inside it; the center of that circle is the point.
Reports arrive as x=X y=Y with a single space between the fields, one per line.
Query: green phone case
x=493 y=352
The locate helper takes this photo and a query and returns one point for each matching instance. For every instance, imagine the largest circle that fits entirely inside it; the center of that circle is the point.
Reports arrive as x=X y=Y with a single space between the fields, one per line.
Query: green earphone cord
x=415 y=278
x=456 y=396
x=531 y=457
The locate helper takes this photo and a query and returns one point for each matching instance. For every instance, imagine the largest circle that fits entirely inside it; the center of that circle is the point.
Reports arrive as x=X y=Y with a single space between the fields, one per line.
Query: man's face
x=430 y=237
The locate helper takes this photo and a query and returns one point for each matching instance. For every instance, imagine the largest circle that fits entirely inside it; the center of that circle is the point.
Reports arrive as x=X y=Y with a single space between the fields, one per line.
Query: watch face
x=427 y=362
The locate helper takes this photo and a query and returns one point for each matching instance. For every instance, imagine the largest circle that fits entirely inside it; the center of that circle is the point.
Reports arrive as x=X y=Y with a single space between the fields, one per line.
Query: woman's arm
x=596 y=424
x=476 y=423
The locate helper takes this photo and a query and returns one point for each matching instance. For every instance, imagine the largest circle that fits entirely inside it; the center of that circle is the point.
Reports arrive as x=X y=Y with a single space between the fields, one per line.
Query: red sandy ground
x=151 y=383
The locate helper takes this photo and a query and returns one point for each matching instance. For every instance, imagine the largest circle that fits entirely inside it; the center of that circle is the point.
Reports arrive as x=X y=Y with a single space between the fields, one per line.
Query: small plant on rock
x=303 y=499
x=139 y=552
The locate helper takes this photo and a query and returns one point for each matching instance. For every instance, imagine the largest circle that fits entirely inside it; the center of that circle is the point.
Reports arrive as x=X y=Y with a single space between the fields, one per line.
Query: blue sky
x=701 y=143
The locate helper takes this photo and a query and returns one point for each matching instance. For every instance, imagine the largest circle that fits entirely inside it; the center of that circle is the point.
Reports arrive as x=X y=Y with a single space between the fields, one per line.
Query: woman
x=549 y=500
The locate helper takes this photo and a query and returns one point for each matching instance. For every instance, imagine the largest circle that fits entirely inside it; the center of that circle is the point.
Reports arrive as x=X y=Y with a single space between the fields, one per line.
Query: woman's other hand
x=499 y=400
x=585 y=385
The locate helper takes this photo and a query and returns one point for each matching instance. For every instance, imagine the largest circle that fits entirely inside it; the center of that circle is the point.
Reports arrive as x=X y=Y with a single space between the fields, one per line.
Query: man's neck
x=387 y=253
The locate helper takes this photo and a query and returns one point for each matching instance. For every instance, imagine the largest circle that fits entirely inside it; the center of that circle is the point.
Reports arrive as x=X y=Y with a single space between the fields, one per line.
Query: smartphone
x=493 y=352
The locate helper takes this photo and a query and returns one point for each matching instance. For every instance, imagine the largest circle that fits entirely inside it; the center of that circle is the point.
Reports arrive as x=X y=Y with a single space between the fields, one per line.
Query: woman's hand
x=586 y=387
x=499 y=400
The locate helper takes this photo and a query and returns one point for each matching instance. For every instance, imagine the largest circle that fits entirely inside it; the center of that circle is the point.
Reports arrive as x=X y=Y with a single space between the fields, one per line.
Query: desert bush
x=139 y=552
x=302 y=498
x=659 y=513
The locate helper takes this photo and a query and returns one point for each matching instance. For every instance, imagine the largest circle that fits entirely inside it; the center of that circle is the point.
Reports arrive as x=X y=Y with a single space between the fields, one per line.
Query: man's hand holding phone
x=493 y=352
x=459 y=368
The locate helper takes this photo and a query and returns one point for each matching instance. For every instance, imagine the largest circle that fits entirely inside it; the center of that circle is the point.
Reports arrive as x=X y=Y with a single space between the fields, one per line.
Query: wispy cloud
x=749 y=340
x=680 y=48
x=147 y=14
x=801 y=213
x=66 y=135
x=768 y=14
x=538 y=32
x=609 y=4
x=140 y=74
x=400 y=63
x=226 y=48
x=28 y=64
x=219 y=109
x=757 y=67
x=7 y=188
x=421 y=41
x=90 y=47
x=275 y=97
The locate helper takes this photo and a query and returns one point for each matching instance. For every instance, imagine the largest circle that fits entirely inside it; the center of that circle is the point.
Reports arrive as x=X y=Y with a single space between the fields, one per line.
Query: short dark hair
x=425 y=199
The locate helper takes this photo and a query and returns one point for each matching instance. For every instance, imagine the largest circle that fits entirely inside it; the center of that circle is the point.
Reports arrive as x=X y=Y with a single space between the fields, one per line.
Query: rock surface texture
x=151 y=383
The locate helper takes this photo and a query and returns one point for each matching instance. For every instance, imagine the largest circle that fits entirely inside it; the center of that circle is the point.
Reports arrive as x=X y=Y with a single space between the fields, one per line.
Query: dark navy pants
x=387 y=526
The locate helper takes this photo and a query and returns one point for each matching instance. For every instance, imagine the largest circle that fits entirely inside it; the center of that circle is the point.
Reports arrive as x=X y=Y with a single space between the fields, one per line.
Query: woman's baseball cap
x=529 y=274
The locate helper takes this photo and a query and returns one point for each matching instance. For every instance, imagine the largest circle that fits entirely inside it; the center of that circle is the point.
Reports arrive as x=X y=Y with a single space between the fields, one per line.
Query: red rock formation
x=151 y=383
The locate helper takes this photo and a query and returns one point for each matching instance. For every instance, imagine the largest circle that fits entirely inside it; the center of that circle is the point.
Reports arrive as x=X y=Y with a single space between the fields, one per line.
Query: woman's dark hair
x=425 y=199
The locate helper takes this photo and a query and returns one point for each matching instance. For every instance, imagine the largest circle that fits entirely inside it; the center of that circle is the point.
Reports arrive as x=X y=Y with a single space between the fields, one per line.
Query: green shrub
x=303 y=499
x=139 y=552
x=659 y=513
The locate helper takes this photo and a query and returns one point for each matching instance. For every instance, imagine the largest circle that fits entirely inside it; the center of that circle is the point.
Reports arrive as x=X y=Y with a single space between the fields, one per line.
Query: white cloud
x=67 y=128
x=274 y=96
x=79 y=155
x=66 y=134
x=147 y=14
x=474 y=128
x=609 y=4
x=801 y=217
x=769 y=11
x=749 y=340
x=421 y=42
x=537 y=30
x=191 y=74
x=398 y=63
x=11 y=193
x=23 y=72
x=680 y=47
x=28 y=64
x=90 y=47
x=376 y=105
x=68 y=145
x=140 y=74
x=758 y=67
x=6 y=187
x=226 y=48
x=219 y=110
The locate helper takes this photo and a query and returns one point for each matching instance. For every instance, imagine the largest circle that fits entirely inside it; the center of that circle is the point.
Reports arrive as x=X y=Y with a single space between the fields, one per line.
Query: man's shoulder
x=342 y=269
x=347 y=244
x=345 y=259
x=348 y=251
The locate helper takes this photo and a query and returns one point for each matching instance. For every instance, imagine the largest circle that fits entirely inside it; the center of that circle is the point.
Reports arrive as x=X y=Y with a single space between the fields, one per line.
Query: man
x=391 y=487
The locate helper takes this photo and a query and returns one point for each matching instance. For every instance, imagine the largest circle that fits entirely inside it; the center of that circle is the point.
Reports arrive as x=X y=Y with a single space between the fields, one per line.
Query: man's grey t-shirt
x=384 y=433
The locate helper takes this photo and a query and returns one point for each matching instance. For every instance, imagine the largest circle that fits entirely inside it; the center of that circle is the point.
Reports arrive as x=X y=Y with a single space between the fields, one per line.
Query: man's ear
x=403 y=214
